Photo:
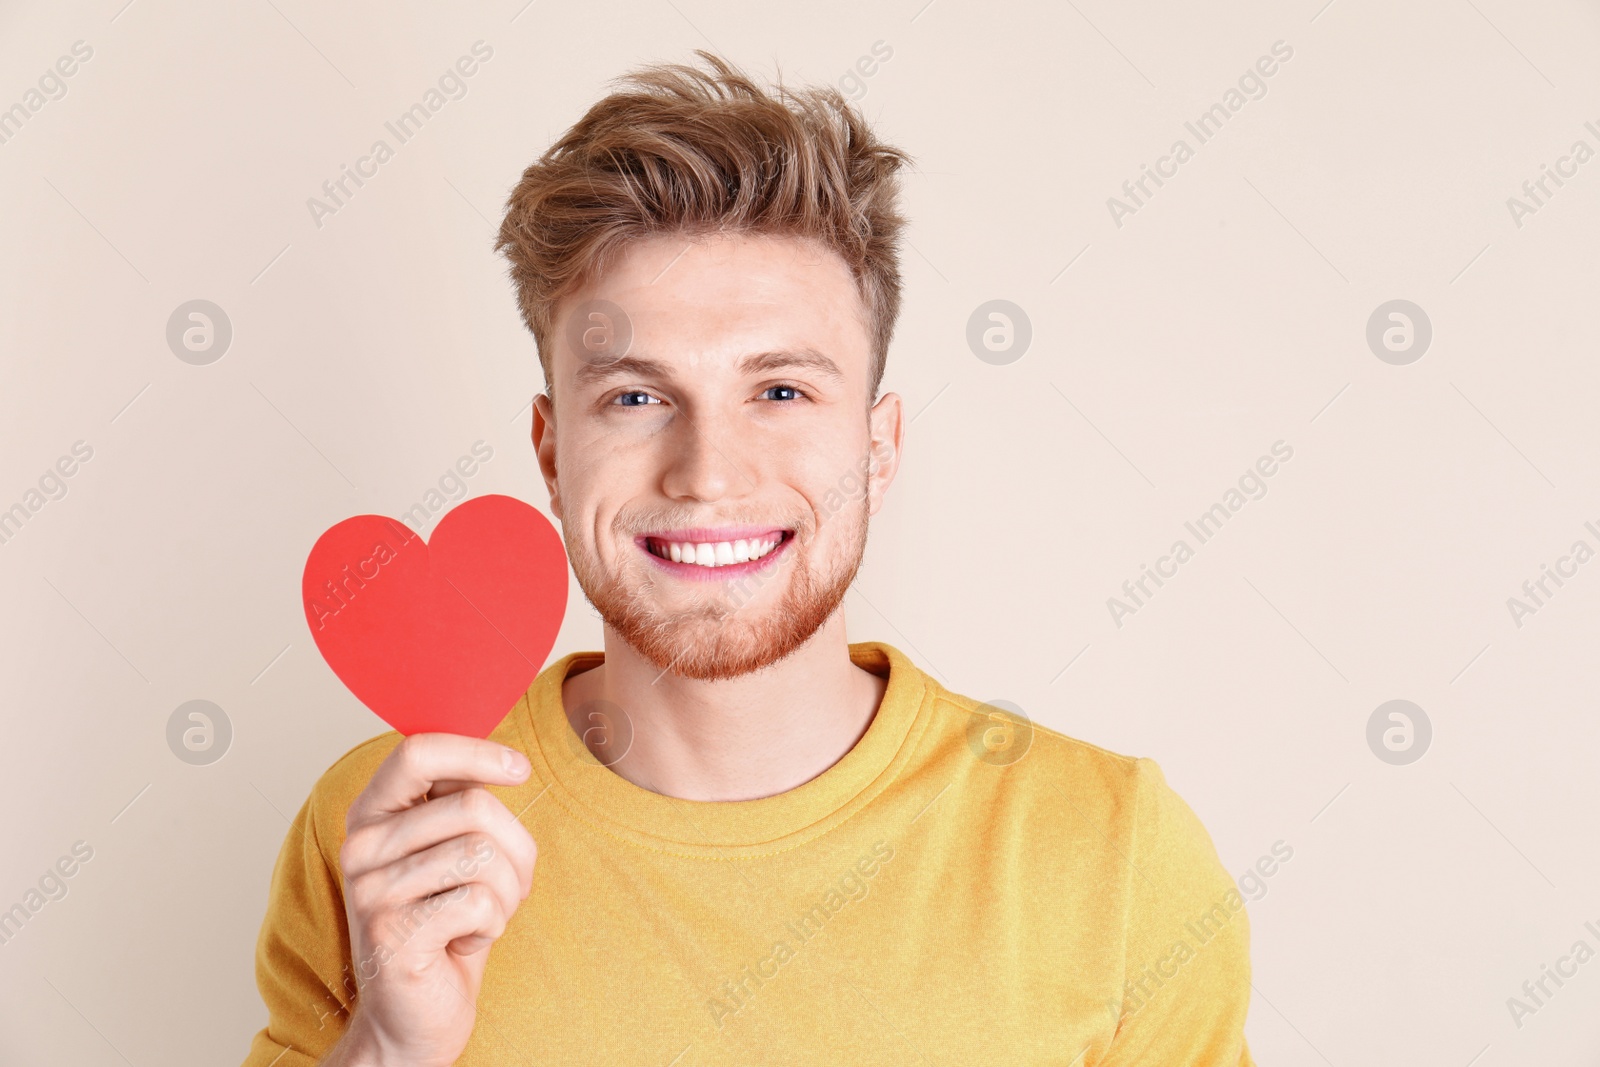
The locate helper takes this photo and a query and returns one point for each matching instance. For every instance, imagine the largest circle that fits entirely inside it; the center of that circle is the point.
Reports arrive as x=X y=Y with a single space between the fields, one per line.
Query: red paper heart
x=443 y=636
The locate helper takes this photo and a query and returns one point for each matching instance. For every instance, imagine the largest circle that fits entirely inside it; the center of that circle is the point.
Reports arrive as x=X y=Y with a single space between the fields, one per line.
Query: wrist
x=358 y=1047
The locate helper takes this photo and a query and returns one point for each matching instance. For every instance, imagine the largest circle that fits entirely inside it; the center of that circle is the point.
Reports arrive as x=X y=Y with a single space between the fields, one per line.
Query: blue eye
x=794 y=394
x=635 y=398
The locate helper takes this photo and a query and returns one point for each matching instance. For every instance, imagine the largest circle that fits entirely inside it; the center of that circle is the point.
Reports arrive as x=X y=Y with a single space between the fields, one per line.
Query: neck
x=742 y=738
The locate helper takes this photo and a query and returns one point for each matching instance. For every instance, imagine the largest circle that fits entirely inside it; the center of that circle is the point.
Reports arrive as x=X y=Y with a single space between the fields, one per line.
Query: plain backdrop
x=1172 y=346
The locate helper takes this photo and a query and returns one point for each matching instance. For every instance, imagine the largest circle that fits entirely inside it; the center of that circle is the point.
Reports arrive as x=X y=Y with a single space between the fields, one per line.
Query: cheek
x=834 y=487
x=597 y=477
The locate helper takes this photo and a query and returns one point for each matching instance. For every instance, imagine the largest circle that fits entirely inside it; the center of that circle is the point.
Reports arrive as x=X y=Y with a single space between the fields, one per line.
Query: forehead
x=709 y=301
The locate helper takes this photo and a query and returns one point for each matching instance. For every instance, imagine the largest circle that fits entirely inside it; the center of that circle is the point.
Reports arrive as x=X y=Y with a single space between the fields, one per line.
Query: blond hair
x=675 y=149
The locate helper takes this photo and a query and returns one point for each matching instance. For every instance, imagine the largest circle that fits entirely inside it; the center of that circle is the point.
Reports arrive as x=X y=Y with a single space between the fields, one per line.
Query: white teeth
x=715 y=554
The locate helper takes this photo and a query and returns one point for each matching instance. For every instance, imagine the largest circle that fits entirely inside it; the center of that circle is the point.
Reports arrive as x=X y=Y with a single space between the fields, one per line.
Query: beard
x=727 y=635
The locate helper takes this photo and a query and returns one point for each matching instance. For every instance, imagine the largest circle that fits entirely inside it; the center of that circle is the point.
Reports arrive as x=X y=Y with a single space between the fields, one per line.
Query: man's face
x=735 y=434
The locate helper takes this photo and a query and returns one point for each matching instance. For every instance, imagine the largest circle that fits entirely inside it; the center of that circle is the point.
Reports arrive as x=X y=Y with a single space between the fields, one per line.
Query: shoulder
x=1035 y=756
x=1088 y=814
x=1122 y=798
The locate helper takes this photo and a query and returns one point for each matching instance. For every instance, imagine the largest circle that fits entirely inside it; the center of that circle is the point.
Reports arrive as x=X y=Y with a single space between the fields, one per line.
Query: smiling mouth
x=705 y=550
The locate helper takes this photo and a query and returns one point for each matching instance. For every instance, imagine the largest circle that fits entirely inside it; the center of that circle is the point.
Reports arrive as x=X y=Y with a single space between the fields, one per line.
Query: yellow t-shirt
x=959 y=888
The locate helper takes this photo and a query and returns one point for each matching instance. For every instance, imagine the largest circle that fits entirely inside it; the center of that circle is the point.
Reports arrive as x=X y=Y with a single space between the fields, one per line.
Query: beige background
x=1227 y=314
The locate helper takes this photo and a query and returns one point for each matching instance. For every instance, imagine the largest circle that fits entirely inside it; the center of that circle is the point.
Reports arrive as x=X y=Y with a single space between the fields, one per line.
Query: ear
x=544 y=447
x=886 y=429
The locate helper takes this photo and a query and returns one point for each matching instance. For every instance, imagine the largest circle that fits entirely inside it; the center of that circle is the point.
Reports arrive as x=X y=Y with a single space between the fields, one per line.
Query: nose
x=700 y=464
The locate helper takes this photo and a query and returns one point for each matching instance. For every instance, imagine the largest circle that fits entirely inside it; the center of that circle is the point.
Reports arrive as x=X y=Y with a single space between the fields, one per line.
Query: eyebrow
x=803 y=358
x=759 y=363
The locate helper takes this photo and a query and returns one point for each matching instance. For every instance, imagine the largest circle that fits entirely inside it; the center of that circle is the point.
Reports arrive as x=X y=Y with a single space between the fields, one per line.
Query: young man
x=757 y=842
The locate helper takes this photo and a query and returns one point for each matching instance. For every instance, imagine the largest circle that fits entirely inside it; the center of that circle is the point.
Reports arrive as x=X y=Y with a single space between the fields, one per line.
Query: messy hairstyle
x=679 y=150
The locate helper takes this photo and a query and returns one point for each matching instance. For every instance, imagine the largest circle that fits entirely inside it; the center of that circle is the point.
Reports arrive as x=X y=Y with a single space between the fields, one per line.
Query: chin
x=718 y=640
x=712 y=651
x=713 y=630
x=723 y=635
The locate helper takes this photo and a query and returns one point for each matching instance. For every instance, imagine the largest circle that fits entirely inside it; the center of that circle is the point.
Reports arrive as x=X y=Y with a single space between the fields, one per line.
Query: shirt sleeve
x=302 y=953
x=1187 y=958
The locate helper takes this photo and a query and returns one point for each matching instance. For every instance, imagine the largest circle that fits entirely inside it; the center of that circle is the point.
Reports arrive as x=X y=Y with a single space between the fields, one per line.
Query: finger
x=446 y=786
x=420 y=915
x=468 y=946
x=468 y=923
x=470 y=858
x=404 y=778
x=380 y=843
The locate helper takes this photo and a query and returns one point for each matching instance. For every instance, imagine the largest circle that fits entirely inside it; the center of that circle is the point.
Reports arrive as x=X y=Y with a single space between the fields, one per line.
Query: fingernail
x=516 y=764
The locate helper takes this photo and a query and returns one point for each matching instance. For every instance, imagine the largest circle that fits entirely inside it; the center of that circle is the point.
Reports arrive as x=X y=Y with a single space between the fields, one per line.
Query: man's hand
x=434 y=866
